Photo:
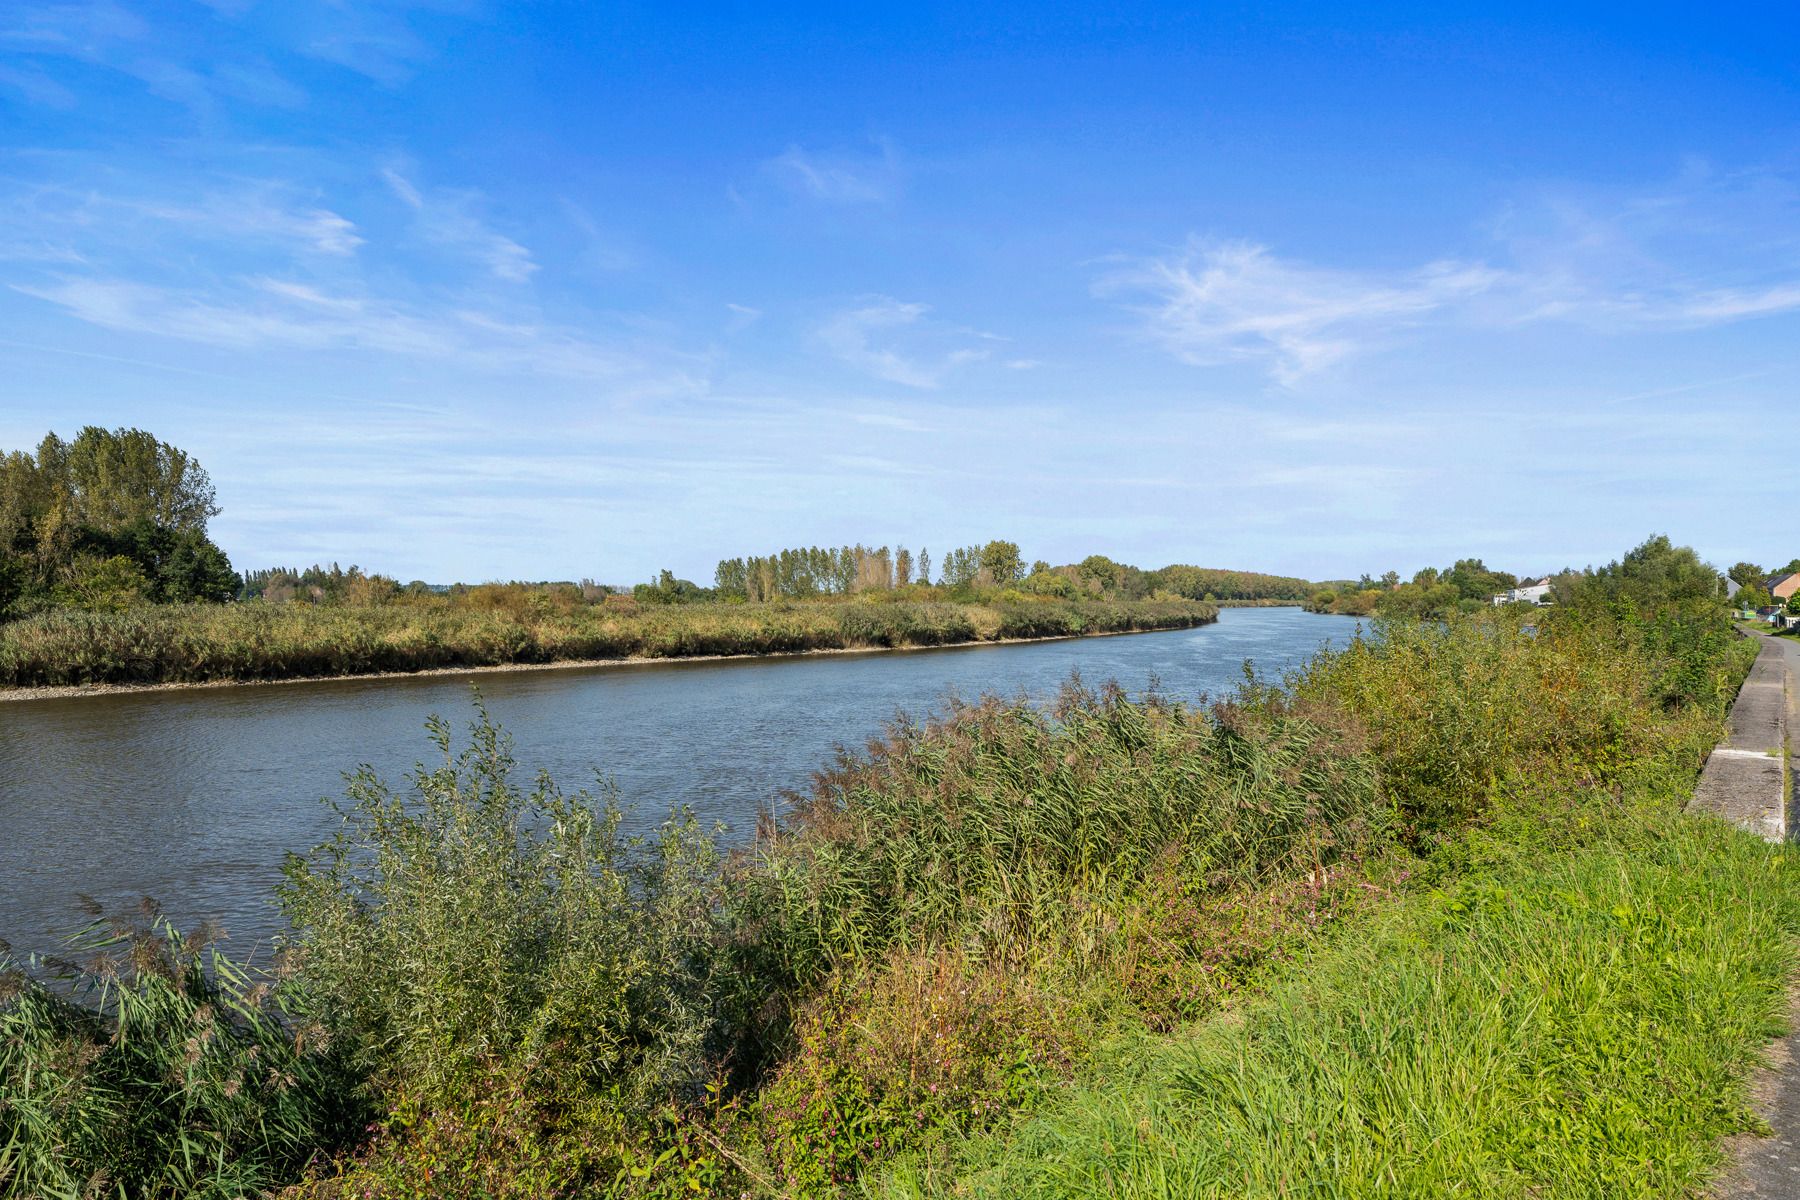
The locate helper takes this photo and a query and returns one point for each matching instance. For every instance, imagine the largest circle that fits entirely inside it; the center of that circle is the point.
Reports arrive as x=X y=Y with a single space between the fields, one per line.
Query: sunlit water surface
x=192 y=797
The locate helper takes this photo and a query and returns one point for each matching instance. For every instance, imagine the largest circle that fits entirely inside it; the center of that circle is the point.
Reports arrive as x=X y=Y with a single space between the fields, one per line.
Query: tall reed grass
x=980 y=827
x=154 y=1066
x=257 y=640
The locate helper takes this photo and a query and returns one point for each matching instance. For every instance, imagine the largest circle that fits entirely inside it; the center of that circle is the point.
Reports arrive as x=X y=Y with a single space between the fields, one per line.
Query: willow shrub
x=1452 y=710
x=156 y=1067
x=467 y=926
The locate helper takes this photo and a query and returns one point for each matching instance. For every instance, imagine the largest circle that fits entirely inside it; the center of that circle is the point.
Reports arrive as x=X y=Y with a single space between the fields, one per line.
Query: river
x=192 y=796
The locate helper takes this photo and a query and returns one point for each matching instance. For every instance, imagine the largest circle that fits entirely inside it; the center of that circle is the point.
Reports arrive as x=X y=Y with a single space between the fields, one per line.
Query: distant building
x=1732 y=588
x=1783 y=586
x=1527 y=593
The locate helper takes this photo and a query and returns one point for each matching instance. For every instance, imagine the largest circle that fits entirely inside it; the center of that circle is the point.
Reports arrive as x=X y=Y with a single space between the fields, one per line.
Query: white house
x=1527 y=593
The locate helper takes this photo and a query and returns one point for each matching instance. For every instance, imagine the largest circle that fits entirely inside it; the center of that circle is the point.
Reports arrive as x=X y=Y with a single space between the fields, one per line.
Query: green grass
x=1577 y=1025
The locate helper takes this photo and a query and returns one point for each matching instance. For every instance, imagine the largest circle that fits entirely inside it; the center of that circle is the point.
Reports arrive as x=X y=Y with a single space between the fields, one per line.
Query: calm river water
x=193 y=796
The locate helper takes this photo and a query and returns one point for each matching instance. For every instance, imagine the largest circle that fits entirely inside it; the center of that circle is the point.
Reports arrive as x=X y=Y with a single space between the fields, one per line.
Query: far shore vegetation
x=500 y=624
x=108 y=576
x=1423 y=917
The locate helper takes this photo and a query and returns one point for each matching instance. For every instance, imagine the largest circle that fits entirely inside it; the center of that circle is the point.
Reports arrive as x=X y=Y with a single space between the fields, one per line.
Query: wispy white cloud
x=107 y=35
x=839 y=177
x=262 y=213
x=36 y=85
x=448 y=219
x=266 y=213
x=1705 y=250
x=274 y=314
x=891 y=340
x=378 y=39
x=604 y=250
x=888 y=420
x=85 y=30
x=1218 y=301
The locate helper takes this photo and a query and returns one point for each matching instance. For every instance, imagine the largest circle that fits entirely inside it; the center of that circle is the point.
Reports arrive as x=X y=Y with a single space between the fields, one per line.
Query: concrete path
x=1740 y=788
x=1742 y=781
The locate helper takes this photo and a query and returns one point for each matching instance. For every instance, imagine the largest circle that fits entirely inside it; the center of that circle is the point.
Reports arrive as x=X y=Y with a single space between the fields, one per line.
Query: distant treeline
x=846 y=570
x=1466 y=586
x=1656 y=569
x=816 y=571
x=319 y=584
x=116 y=520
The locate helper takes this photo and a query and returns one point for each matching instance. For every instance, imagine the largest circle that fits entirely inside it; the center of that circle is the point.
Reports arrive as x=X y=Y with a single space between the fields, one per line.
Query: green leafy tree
x=103 y=584
x=1002 y=563
x=1747 y=574
x=1652 y=575
x=1474 y=581
x=1754 y=597
x=669 y=590
x=107 y=494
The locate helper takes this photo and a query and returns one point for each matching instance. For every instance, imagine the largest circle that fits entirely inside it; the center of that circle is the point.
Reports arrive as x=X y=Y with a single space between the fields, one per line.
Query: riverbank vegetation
x=107 y=576
x=506 y=625
x=1656 y=568
x=1394 y=923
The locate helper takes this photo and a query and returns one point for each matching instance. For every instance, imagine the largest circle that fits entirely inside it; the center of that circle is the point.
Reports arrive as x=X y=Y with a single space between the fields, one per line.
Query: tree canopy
x=109 y=518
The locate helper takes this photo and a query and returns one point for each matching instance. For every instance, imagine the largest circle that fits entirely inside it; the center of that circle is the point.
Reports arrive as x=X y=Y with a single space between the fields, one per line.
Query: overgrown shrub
x=469 y=925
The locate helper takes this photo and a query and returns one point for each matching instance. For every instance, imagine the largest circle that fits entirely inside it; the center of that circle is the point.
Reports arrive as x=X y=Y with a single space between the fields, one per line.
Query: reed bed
x=155 y=1066
x=981 y=826
x=256 y=640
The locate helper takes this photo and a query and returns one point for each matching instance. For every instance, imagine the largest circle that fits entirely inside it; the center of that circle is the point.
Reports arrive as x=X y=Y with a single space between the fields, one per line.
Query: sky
x=465 y=290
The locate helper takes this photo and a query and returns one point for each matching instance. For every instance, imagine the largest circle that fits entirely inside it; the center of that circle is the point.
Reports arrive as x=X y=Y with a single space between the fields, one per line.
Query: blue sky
x=549 y=290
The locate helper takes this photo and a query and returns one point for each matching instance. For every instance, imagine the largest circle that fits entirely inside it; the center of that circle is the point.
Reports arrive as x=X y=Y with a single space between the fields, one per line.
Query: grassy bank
x=1575 y=1023
x=1422 y=918
x=194 y=643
